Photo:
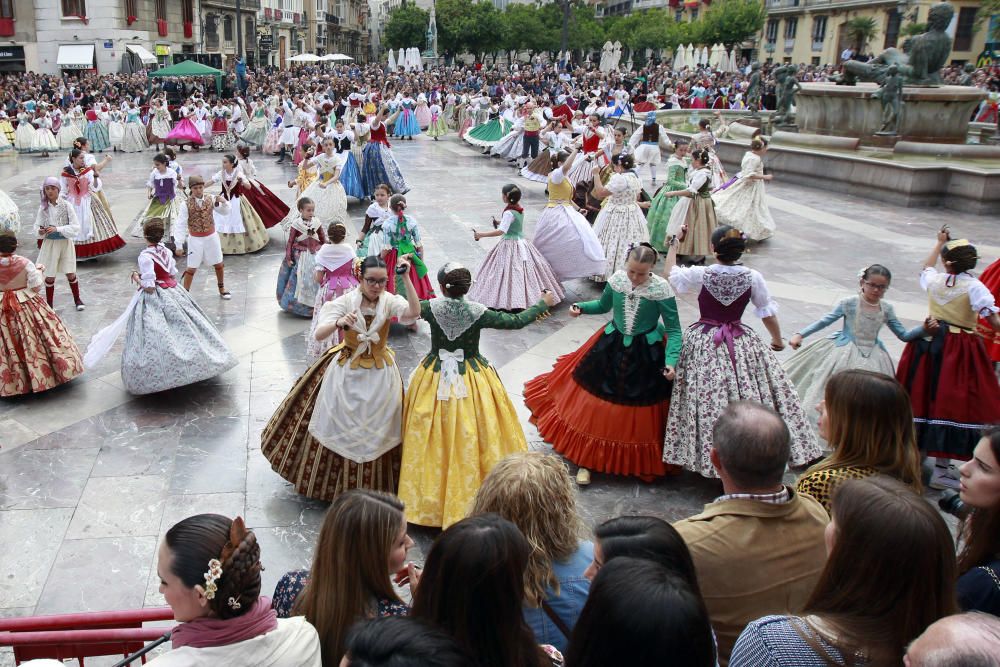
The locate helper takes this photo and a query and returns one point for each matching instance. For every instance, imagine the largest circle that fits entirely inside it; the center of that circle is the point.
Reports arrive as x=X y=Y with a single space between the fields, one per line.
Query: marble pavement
x=91 y=477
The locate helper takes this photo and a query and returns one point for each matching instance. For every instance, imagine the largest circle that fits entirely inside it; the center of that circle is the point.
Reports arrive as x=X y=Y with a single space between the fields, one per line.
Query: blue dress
x=406 y=123
x=379 y=166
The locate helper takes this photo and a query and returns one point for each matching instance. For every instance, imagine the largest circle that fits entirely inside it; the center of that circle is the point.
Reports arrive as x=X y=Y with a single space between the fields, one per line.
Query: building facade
x=53 y=36
x=814 y=31
x=219 y=35
x=347 y=28
x=283 y=31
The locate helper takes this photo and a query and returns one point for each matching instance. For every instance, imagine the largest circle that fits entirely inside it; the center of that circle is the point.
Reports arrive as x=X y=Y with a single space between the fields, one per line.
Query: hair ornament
x=234 y=603
x=956 y=243
x=213 y=574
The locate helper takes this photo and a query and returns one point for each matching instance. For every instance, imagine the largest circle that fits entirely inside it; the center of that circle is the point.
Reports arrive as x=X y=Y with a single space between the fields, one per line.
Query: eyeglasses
x=376 y=282
x=877 y=288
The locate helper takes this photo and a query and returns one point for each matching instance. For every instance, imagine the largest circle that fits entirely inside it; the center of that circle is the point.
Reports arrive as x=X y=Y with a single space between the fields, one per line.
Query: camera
x=951 y=502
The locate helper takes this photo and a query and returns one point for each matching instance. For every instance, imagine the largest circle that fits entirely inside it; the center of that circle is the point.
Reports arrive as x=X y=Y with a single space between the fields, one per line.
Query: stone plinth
x=930 y=114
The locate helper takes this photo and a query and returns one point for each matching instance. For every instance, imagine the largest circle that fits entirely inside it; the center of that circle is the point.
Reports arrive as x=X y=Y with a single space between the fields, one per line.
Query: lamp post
x=239 y=29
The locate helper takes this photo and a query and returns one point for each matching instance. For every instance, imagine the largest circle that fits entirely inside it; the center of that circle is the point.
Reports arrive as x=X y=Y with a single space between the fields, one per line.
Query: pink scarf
x=206 y=632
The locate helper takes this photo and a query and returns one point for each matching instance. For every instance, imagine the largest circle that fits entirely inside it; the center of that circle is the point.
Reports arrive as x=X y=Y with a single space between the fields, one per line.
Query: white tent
x=305 y=58
x=392 y=61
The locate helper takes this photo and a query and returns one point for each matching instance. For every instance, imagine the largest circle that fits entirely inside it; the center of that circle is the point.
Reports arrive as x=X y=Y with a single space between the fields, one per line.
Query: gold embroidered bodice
x=378 y=354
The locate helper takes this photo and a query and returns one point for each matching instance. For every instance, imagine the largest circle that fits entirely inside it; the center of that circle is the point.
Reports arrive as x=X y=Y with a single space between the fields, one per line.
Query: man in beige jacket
x=759 y=548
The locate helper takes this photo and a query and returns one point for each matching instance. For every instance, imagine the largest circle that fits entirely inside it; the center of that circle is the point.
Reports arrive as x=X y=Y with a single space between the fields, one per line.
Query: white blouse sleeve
x=35 y=277
x=685 y=279
x=397 y=305
x=981 y=299
x=760 y=297
x=617 y=184
x=506 y=220
x=147 y=275
x=698 y=179
x=334 y=310
x=557 y=175
x=926 y=276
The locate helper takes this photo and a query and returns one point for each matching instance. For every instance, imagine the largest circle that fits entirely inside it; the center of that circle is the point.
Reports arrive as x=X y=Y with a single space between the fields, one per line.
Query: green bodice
x=514 y=231
x=468 y=340
x=639 y=311
x=676 y=177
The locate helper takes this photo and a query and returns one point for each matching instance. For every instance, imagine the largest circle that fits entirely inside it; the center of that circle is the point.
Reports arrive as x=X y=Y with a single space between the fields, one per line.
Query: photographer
x=979 y=557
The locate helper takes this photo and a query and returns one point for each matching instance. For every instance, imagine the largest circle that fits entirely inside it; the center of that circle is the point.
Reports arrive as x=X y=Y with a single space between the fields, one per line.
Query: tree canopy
x=407 y=26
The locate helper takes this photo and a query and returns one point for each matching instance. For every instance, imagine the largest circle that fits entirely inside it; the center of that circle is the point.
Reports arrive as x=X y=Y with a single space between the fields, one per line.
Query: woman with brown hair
x=535 y=492
x=889 y=574
x=209 y=570
x=362 y=542
x=867 y=420
x=979 y=558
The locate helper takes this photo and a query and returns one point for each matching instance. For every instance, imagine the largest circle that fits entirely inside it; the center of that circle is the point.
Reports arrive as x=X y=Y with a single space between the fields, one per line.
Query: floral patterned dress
x=721 y=361
x=292 y=583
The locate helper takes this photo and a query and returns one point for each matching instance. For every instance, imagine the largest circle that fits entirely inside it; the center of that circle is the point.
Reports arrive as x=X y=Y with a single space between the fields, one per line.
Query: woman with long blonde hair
x=534 y=491
x=363 y=542
x=866 y=418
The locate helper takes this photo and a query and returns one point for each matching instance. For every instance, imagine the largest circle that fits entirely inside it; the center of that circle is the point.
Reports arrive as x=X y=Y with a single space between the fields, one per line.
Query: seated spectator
x=888 y=576
x=979 y=560
x=963 y=640
x=758 y=549
x=362 y=542
x=472 y=587
x=642 y=615
x=536 y=493
x=867 y=419
x=209 y=570
x=398 y=641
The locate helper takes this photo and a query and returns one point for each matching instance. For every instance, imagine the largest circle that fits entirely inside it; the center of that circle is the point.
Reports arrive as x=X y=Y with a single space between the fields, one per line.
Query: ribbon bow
x=366 y=340
x=726 y=332
x=451 y=378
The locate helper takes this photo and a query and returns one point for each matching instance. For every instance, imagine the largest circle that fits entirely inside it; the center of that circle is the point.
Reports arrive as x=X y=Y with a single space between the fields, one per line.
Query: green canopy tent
x=192 y=68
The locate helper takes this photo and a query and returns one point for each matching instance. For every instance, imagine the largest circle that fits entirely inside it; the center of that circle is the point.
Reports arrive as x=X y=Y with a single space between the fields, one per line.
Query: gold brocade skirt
x=450 y=446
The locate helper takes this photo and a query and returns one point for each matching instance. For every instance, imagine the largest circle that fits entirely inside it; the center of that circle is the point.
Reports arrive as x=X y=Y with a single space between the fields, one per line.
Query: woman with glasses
x=856 y=345
x=340 y=426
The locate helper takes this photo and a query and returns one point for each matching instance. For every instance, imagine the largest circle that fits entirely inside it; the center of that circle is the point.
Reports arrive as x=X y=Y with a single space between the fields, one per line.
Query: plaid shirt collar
x=776 y=498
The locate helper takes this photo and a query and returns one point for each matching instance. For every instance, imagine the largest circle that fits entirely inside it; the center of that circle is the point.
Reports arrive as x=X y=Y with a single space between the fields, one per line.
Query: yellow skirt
x=450 y=446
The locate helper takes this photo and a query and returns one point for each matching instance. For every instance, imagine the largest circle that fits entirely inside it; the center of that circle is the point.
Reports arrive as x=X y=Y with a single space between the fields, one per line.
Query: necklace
x=873 y=305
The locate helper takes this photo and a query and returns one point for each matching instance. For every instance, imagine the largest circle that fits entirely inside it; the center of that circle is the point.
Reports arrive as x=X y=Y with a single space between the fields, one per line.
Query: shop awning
x=145 y=56
x=76 y=56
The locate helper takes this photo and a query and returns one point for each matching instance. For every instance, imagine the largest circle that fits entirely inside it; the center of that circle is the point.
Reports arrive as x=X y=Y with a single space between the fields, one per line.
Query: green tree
x=524 y=30
x=912 y=29
x=451 y=15
x=731 y=21
x=407 y=26
x=483 y=29
x=860 y=30
x=988 y=9
x=585 y=32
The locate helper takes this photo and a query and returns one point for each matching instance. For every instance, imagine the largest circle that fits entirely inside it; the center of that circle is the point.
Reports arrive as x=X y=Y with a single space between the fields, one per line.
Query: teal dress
x=659 y=211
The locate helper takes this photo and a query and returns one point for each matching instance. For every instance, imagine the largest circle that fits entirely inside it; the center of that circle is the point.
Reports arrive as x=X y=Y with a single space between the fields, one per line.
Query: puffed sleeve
x=334 y=310
x=686 y=279
x=557 y=175
x=35 y=277
x=617 y=184
x=506 y=220
x=698 y=179
x=147 y=275
x=926 y=276
x=397 y=305
x=981 y=299
x=760 y=297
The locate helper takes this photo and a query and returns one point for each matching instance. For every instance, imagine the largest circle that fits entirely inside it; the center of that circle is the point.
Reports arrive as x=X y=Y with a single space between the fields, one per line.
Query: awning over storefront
x=76 y=56
x=145 y=56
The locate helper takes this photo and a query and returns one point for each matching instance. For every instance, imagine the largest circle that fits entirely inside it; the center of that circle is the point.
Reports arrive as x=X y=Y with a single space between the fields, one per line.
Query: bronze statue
x=753 y=89
x=920 y=61
x=967 y=78
x=786 y=85
x=891 y=97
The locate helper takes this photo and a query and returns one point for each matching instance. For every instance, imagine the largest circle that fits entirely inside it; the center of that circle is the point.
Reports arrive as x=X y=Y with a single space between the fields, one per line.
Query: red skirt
x=423 y=285
x=953 y=392
x=991 y=278
x=268 y=205
x=592 y=432
x=563 y=110
x=643 y=107
x=220 y=126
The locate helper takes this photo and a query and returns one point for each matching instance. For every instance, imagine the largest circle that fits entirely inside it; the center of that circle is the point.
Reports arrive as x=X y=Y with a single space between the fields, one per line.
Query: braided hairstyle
x=643 y=253
x=701 y=155
x=455 y=280
x=959 y=258
x=153 y=230
x=728 y=243
x=337 y=232
x=199 y=539
x=625 y=160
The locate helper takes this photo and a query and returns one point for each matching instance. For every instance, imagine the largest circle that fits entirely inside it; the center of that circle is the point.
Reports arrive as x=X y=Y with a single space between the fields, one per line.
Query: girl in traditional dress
x=706 y=140
x=422 y=112
x=458 y=420
x=221 y=139
x=562 y=235
x=512 y=145
x=116 y=129
x=742 y=204
x=406 y=124
x=335 y=264
x=96 y=132
x=350 y=173
x=185 y=133
x=169 y=341
x=647 y=142
x=952 y=387
x=24 y=136
x=71 y=128
x=43 y=141
x=272 y=144
x=488 y=134
x=240 y=228
x=538 y=169
x=56 y=226
x=135 y=133
x=857 y=345
x=401 y=237
x=991 y=278
x=101 y=236
x=513 y=271
x=620 y=225
x=340 y=427
x=695 y=210
x=257 y=129
x=10 y=217
x=439 y=121
x=297 y=287
x=6 y=128
x=304 y=176
x=371 y=232
x=722 y=360
x=591 y=142
x=378 y=165
x=326 y=190
x=38 y=352
x=662 y=206
x=604 y=407
x=159 y=123
x=161 y=189
x=269 y=206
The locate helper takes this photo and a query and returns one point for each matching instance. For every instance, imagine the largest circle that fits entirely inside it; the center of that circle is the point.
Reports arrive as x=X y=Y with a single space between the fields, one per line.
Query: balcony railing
x=212 y=41
x=817 y=45
x=245 y=5
x=789 y=44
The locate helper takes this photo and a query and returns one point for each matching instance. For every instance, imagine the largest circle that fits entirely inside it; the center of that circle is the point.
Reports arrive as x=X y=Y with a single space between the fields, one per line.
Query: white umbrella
x=401 y=59
x=413 y=58
x=732 y=61
x=703 y=56
x=337 y=56
x=716 y=56
x=305 y=58
x=392 y=61
x=689 y=56
x=679 y=62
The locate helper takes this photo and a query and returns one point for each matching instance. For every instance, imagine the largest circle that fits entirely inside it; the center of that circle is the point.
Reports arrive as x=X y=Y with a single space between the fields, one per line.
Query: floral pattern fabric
x=292 y=583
